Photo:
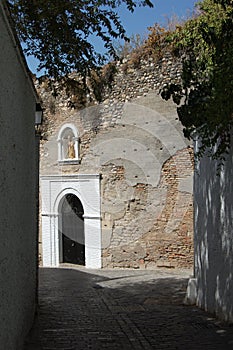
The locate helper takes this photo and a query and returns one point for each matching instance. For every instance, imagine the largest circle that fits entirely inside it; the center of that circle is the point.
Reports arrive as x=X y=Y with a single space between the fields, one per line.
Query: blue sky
x=142 y=18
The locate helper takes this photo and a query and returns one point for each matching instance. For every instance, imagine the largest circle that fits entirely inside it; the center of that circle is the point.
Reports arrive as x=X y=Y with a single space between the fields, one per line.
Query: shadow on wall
x=213 y=200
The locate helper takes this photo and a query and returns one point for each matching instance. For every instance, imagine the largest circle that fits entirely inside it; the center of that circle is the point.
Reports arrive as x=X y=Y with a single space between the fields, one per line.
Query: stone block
x=191 y=293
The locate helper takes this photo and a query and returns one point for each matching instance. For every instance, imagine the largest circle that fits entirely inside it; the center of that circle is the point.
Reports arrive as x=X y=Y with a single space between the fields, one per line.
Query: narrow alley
x=121 y=309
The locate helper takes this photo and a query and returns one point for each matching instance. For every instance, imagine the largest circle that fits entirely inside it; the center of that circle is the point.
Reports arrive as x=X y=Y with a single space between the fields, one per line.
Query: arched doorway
x=71 y=231
x=86 y=189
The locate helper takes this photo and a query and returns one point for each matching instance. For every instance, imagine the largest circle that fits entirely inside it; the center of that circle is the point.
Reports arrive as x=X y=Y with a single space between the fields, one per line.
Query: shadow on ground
x=121 y=309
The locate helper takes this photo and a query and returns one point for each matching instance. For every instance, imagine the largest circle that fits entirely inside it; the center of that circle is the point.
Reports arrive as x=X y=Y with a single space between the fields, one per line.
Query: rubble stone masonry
x=134 y=140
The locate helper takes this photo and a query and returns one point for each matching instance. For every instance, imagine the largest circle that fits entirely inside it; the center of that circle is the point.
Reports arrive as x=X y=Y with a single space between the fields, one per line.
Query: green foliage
x=58 y=32
x=205 y=95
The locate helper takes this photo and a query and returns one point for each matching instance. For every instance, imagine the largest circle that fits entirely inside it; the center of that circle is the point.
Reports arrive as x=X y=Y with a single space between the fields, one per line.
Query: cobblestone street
x=83 y=309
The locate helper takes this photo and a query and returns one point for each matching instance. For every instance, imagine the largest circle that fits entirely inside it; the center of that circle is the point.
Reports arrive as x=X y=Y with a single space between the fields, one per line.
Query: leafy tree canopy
x=58 y=32
x=205 y=95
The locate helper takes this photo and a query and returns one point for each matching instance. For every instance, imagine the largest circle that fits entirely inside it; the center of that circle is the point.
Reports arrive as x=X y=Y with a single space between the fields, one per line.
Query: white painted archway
x=87 y=189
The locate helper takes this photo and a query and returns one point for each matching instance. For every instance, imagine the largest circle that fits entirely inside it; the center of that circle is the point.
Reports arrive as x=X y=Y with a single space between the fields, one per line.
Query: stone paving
x=83 y=309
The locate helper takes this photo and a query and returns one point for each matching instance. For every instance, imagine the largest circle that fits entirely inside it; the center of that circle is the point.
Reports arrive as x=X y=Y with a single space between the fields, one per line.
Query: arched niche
x=68 y=144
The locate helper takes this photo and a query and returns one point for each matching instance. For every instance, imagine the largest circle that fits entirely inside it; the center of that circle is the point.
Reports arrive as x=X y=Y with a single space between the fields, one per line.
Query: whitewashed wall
x=17 y=193
x=213 y=198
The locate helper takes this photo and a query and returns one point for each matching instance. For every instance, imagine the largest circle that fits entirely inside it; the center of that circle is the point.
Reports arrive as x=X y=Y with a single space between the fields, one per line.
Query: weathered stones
x=134 y=140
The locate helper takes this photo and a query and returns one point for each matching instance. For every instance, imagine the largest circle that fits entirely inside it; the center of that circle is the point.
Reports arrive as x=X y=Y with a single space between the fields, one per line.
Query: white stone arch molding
x=60 y=140
x=87 y=188
x=63 y=193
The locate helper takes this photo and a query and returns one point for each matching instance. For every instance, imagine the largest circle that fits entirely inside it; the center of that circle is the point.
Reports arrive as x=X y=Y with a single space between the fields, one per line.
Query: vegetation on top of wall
x=204 y=44
x=154 y=47
x=102 y=78
x=205 y=94
x=125 y=48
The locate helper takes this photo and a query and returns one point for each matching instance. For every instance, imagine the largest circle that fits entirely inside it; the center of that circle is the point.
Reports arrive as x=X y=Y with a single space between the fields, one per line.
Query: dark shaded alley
x=121 y=309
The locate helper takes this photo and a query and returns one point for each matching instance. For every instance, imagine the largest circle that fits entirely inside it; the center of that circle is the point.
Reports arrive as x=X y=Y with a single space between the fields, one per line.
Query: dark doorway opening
x=72 y=240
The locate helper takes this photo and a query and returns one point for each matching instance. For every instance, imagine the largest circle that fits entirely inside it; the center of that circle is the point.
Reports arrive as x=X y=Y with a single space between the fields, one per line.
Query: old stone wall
x=127 y=83
x=134 y=140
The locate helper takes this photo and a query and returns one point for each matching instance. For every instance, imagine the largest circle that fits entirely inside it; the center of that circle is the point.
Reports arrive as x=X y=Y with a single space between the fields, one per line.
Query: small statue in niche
x=71 y=150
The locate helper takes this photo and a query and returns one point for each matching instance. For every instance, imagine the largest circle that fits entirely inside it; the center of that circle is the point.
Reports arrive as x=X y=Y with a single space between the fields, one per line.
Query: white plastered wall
x=87 y=189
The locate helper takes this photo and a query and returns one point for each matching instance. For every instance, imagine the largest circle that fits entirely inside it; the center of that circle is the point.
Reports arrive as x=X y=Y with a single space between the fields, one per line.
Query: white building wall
x=18 y=176
x=213 y=198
